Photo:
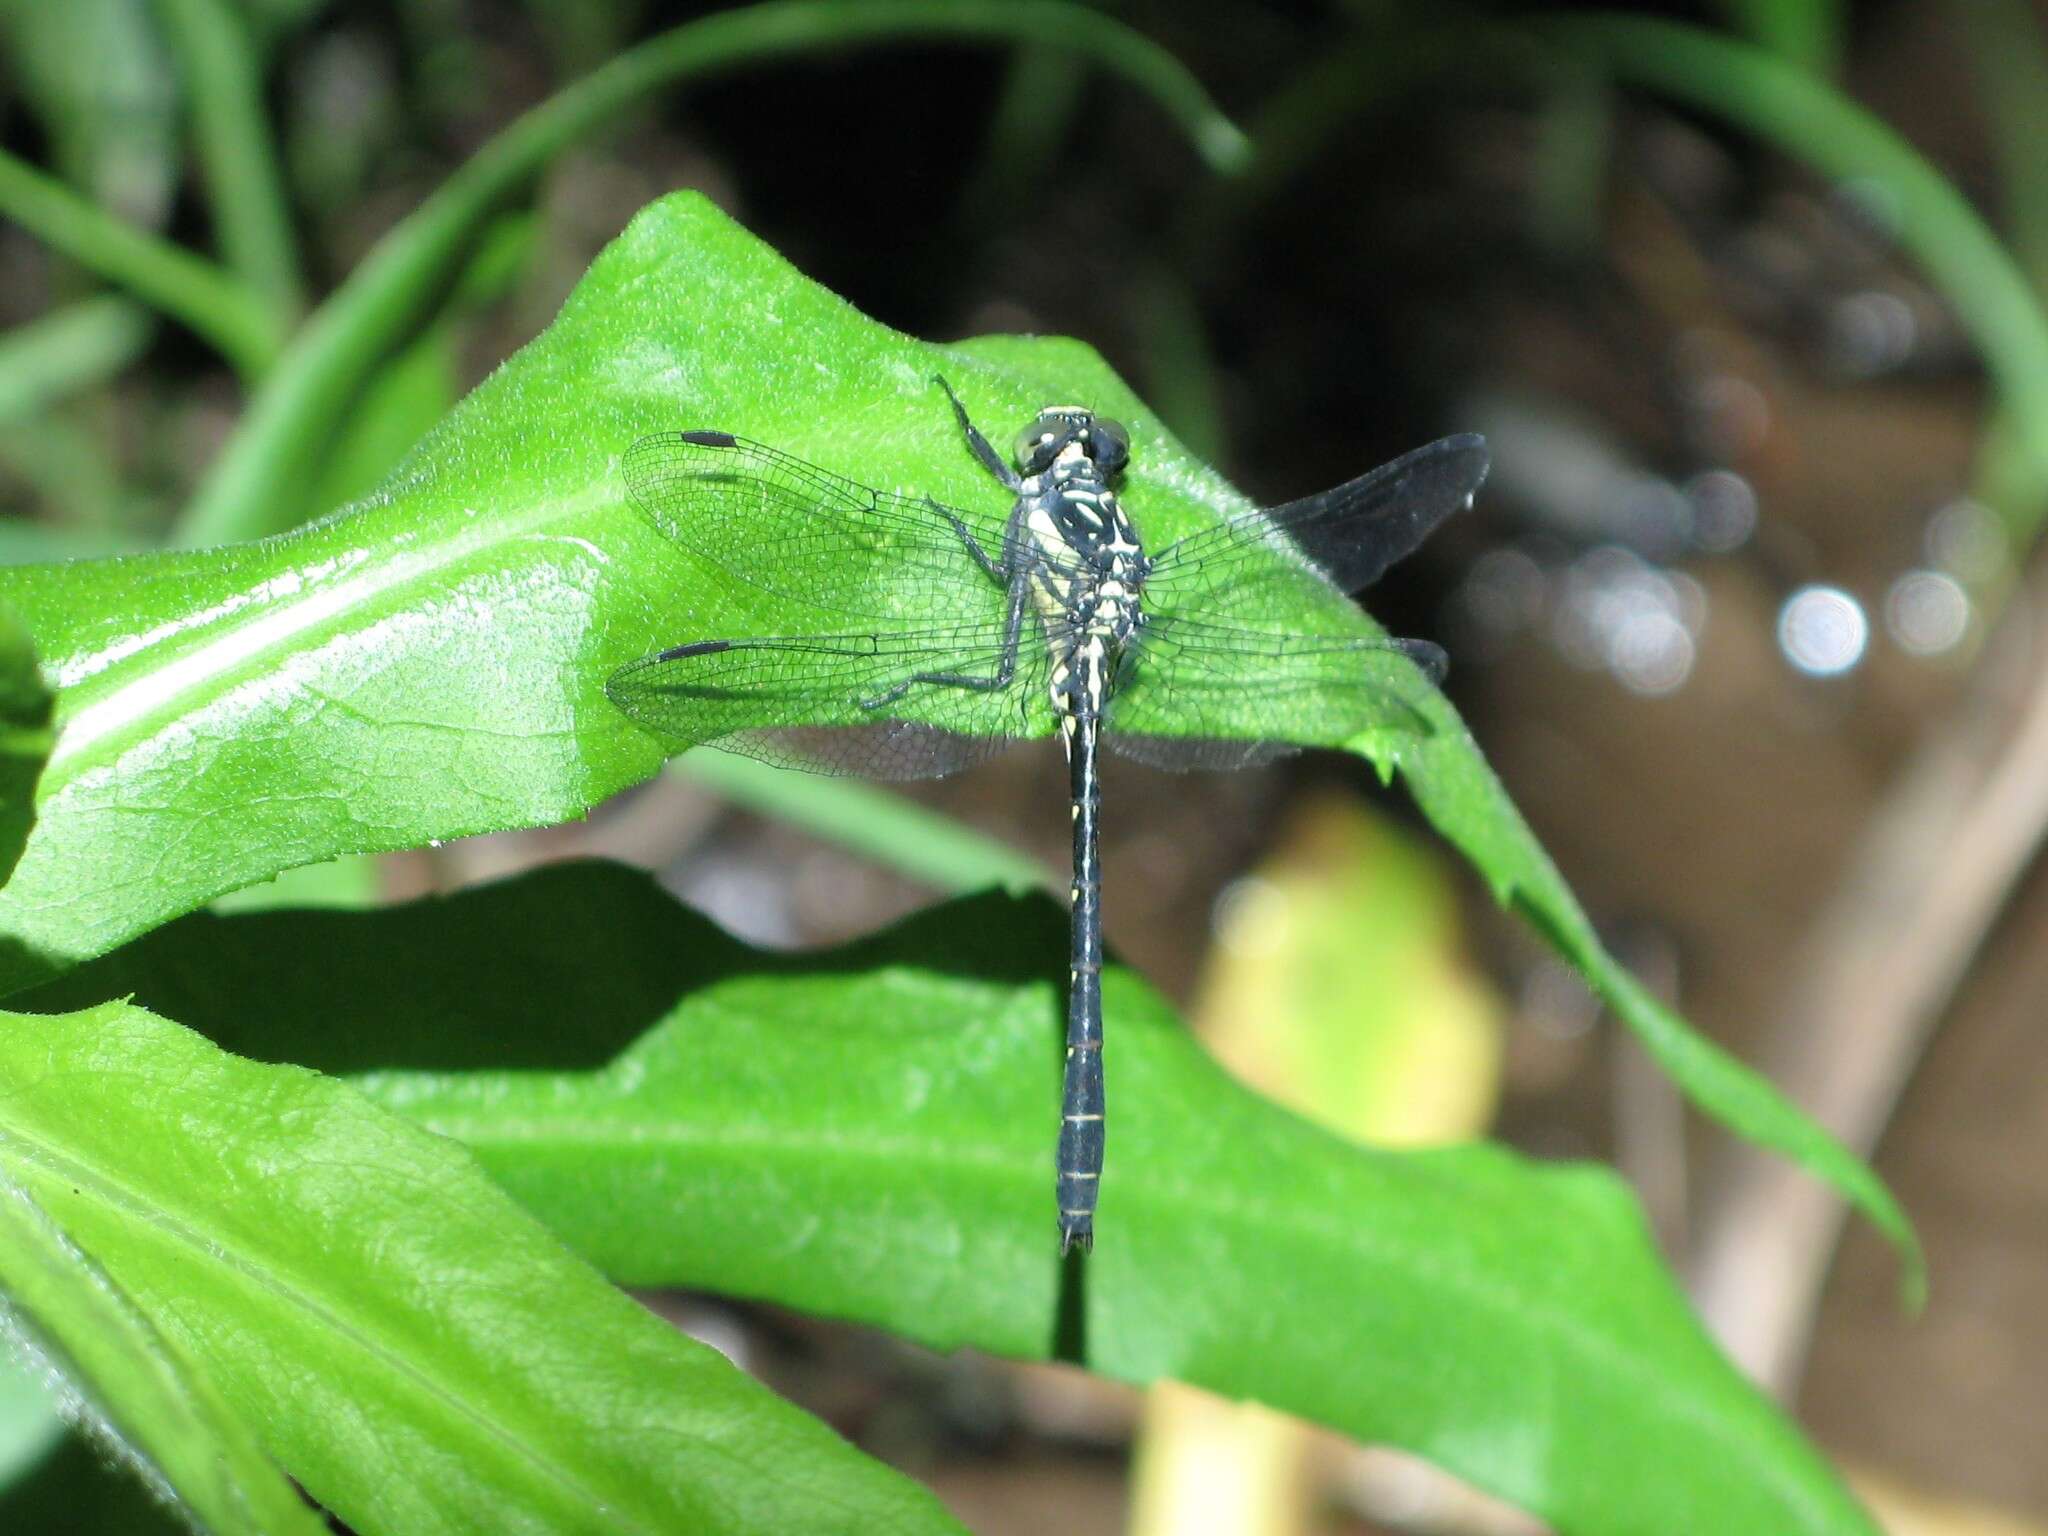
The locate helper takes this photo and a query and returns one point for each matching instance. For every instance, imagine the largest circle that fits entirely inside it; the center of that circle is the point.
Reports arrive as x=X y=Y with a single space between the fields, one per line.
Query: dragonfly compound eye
x=1109 y=445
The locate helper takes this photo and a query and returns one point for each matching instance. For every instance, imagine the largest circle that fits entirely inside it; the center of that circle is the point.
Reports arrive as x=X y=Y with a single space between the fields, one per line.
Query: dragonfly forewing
x=773 y=522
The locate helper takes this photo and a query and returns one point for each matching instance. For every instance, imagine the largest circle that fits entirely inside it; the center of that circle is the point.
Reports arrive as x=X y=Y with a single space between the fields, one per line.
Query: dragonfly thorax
x=1086 y=584
x=1089 y=570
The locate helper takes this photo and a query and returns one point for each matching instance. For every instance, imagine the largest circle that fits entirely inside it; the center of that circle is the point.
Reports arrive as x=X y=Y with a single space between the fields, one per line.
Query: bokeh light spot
x=1822 y=631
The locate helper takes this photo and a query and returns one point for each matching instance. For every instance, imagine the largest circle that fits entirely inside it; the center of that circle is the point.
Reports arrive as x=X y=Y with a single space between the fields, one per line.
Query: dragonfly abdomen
x=1079 y=1164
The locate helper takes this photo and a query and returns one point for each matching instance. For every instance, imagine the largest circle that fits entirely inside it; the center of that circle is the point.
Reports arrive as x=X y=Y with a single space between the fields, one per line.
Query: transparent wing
x=1219 y=680
x=1201 y=695
x=771 y=521
x=1352 y=532
x=820 y=701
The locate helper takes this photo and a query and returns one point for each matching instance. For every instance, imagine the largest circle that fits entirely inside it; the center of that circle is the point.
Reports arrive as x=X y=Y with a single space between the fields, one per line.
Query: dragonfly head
x=1077 y=439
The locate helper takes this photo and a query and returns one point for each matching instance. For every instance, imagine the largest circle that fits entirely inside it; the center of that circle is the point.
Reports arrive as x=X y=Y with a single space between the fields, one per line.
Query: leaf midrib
x=1195 y=1201
x=90 y=1179
x=162 y=689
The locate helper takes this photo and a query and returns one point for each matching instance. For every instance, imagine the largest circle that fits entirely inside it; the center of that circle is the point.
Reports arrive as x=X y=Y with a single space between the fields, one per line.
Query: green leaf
x=412 y=1348
x=866 y=1133
x=418 y=385
x=25 y=707
x=432 y=664
x=148 y=1400
x=1463 y=800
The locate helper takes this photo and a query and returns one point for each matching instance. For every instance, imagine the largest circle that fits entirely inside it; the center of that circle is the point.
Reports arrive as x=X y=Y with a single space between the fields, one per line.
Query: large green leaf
x=432 y=663
x=867 y=1133
x=142 y=1389
x=395 y=1333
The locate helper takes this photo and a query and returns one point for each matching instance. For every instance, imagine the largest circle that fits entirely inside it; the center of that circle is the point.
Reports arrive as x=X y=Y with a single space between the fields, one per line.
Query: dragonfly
x=938 y=635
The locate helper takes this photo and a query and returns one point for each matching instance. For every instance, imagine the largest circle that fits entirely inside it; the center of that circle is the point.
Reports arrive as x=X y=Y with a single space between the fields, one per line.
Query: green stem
x=1805 y=33
x=1035 y=109
x=252 y=215
x=2010 y=53
x=193 y=291
x=1295 y=124
x=1182 y=380
x=1933 y=222
x=386 y=299
x=886 y=828
x=1569 y=161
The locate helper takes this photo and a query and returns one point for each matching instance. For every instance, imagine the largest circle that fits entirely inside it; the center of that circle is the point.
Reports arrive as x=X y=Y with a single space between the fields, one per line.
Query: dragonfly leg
x=990 y=459
x=995 y=568
x=990 y=684
x=1006 y=661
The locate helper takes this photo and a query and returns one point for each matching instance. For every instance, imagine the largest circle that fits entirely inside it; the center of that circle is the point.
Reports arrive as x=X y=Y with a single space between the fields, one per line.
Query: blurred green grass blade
x=67 y=351
x=387 y=298
x=23 y=543
x=95 y=75
x=1034 y=111
x=1182 y=380
x=1295 y=124
x=866 y=1133
x=224 y=87
x=1569 y=164
x=1811 y=121
x=414 y=388
x=1806 y=33
x=150 y=1404
x=2008 y=47
x=273 y=22
x=883 y=826
x=412 y=1348
x=581 y=34
x=25 y=739
x=194 y=292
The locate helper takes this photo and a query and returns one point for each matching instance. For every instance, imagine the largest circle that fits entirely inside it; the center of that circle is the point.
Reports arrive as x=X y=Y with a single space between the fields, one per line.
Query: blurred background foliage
x=1749 y=300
